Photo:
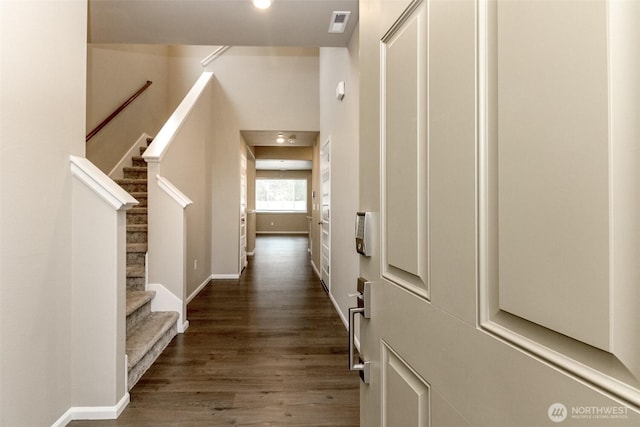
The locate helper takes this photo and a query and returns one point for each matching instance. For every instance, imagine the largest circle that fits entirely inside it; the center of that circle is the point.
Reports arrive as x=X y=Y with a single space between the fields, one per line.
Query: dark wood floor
x=268 y=349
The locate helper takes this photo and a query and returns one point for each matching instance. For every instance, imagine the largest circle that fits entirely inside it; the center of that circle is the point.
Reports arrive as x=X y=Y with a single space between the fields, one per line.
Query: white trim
x=225 y=276
x=345 y=321
x=173 y=192
x=116 y=172
x=617 y=390
x=93 y=412
x=199 y=288
x=263 y=212
x=313 y=264
x=101 y=184
x=213 y=55
x=282 y=232
x=165 y=300
x=163 y=139
x=417 y=282
x=252 y=253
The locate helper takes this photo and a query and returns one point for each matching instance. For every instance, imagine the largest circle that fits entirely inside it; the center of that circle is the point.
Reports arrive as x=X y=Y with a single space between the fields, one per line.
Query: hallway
x=268 y=349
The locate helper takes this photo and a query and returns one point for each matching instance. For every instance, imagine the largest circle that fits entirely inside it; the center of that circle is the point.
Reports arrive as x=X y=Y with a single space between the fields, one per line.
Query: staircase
x=148 y=333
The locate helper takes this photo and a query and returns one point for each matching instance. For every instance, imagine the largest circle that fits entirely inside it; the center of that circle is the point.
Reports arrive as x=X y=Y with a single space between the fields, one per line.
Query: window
x=281 y=195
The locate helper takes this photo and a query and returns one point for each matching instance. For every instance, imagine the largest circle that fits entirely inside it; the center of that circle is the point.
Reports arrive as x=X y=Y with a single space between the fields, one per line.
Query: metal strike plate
x=364 y=296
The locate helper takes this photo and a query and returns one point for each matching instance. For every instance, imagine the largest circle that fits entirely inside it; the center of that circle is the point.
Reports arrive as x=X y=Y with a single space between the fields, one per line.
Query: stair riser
x=135 y=173
x=142 y=200
x=135 y=283
x=136 y=237
x=136 y=372
x=137 y=316
x=136 y=218
x=135 y=258
x=134 y=187
x=142 y=150
x=138 y=162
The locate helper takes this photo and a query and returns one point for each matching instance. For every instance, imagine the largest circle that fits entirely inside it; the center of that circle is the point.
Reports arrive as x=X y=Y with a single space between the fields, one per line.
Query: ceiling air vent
x=338 y=22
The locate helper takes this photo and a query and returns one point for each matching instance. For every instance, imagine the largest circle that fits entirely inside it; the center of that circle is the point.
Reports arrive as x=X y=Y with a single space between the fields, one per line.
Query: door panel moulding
x=603 y=369
x=404 y=143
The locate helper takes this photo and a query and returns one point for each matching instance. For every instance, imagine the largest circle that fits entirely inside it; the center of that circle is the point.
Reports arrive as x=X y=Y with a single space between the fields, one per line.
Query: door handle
x=363 y=309
x=362 y=366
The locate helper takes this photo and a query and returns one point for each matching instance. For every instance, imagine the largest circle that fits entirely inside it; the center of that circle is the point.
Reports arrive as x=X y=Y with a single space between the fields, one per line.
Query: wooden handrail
x=117 y=111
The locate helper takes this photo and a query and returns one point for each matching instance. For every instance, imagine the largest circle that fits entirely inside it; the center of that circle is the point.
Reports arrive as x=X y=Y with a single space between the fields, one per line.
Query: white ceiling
x=219 y=22
x=280 y=165
x=268 y=138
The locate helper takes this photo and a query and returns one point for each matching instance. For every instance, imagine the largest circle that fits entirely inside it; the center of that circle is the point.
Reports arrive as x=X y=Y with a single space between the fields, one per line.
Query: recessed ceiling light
x=280 y=139
x=262 y=4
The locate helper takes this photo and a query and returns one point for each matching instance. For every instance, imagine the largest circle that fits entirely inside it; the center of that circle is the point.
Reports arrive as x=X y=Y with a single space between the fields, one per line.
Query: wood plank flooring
x=268 y=350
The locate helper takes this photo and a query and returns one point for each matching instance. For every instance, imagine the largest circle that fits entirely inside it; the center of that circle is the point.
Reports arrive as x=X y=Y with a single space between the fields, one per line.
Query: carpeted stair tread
x=137 y=233
x=137 y=227
x=147 y=333
x=131 y=181
x=139 y=194
x=135 y=271
x=136 y=299
x=137 y=211
x=135 y=172
x=138 y=161
x=135 y=168
x=136 y=247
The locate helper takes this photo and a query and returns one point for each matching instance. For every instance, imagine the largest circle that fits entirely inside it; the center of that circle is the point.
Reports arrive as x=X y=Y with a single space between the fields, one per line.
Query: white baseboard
x=93 y=412
x=199 y=288
x=345 y=321
x=225 y=276
x=282 y=232
x=315 y=269
x=165 y=300
x=116 y=172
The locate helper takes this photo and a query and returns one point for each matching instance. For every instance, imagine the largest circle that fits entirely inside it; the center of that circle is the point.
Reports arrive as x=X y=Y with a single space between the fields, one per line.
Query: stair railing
x=209 y=59
x=118 y=111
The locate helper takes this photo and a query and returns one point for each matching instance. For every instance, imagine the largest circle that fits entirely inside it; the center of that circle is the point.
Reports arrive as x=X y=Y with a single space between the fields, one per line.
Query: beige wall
x=270 y=88
x=339 y=121
x=42 y=122
x=225 y=169
x=285 y=222
x=114 y=73
x=284 y=153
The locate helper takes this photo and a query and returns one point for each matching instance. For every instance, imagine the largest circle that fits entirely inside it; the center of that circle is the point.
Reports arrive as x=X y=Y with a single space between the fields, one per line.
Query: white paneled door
x=325 y=213
x=500 y=157
x=243 y=213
